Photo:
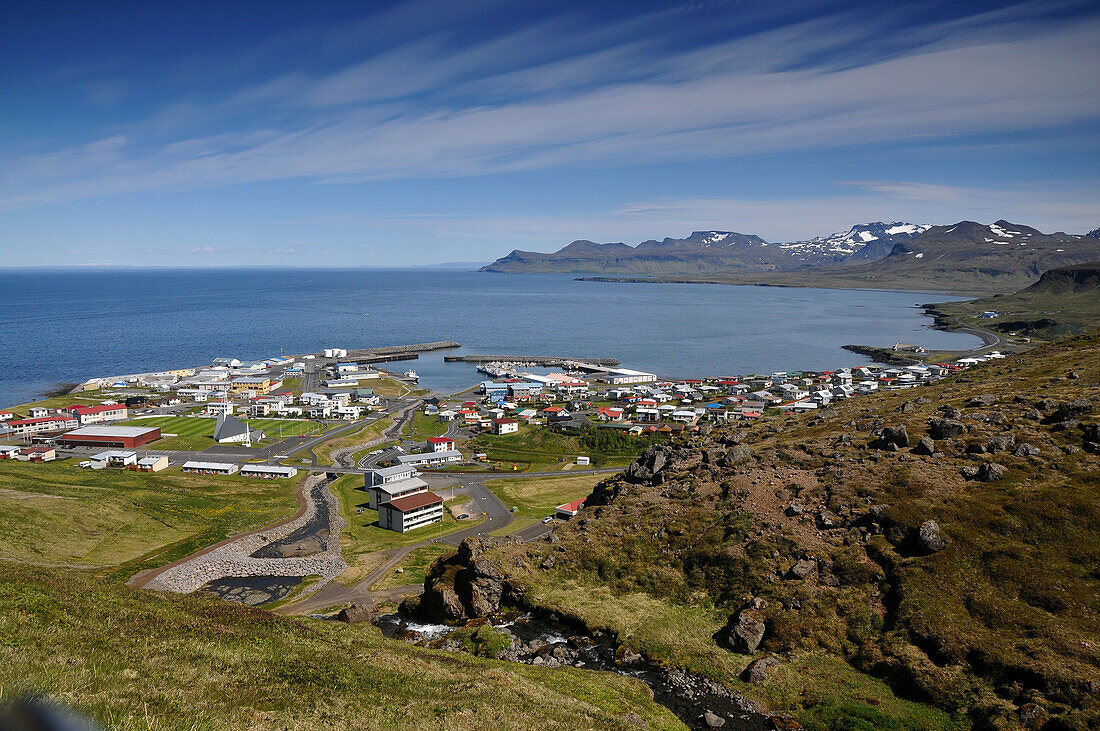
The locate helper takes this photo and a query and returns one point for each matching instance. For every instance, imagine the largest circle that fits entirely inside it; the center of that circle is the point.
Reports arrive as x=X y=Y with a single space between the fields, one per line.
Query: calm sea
x=67 y=326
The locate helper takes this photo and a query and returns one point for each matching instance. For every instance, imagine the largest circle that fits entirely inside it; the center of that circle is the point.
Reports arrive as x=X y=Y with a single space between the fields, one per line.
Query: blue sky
x=291 y=133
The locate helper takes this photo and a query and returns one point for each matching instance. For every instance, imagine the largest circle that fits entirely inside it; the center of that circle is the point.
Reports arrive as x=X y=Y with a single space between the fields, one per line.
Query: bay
x=67 y=326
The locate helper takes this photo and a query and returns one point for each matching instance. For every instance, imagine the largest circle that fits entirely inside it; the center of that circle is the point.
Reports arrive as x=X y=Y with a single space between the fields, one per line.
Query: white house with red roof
x=567 y=511
x=441 y=444
x=505 y=426
x=98 y=414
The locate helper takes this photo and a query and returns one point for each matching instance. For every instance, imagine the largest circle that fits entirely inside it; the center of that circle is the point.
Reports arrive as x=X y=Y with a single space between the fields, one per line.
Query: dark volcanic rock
x=757 y=670
x=991 y=472
x=930 y=537
x=896 y=435
x=743 y=633
x=1002 y=442
x=357 y=613
x=465 y=586
x=802 y=569
x=1027 y=450
x=926 y=446
x=713 y=456
x=945 y=428
x=1071 y=410
x=986 y=399
x=739 y=453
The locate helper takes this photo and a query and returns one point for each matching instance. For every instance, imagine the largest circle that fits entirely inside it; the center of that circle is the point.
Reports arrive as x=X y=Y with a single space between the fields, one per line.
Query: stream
x=697 y=701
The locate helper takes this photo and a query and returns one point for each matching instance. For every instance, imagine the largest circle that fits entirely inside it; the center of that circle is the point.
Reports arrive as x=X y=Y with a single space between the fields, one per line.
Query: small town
x=264 y=419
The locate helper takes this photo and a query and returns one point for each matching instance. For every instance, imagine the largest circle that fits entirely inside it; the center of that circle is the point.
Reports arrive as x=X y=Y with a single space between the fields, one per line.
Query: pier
x=539 y=360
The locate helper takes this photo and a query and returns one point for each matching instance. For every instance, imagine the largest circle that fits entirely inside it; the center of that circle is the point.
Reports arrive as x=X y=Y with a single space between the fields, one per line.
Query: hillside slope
x=1000 y=256
x=134 y=659
x=1064 y=301
x=933 y=549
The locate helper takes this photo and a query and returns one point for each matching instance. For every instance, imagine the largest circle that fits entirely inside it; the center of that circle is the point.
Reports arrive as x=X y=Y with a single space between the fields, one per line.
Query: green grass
x=422 y=426
x=415 y=566
x=196 y=433
x=385 y=386
x=57 y=513
x=536 y=497
x=140 y=660
x=83 y=398
x=365 y=434
x=537 y=446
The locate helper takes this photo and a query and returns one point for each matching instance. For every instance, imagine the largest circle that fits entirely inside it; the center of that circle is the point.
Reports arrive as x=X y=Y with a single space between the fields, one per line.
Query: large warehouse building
x=124 y=437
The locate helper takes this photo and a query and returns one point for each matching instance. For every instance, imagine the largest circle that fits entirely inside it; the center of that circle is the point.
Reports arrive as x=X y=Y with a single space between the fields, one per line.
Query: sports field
x=197 y=433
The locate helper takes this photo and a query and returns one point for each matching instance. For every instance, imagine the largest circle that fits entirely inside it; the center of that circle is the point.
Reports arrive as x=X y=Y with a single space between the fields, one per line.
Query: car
x=548 y=519
x=464 y=516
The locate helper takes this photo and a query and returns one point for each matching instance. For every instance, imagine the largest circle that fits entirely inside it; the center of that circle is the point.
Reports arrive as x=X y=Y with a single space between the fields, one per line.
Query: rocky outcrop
x=945 y=428
x=656 y=462
x=465 y=586
x=745 y=630
x=1069 y=410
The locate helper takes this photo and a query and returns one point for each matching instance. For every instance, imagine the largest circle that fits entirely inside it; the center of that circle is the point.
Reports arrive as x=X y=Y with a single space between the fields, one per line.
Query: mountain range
x=1000 y=256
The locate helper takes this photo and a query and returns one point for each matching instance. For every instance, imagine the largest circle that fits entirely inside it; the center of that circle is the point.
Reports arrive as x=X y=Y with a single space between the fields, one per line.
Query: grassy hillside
x=874 y=628
x=138 y=660
x=1063 y=302
x=58 y=514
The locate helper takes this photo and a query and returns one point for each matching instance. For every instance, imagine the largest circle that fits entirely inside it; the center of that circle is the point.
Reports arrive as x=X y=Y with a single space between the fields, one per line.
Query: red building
x=126 y=437
x=96 y=414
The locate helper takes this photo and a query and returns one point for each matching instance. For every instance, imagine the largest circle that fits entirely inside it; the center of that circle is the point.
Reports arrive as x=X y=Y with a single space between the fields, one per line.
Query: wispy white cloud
x=776 y=219
x=434 y=108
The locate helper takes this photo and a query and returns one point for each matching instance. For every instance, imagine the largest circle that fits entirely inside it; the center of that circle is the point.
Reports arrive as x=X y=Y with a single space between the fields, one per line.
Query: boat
x=411 y=375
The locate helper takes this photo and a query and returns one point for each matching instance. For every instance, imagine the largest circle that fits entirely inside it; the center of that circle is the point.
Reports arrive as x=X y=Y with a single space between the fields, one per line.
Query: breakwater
x=539 y=360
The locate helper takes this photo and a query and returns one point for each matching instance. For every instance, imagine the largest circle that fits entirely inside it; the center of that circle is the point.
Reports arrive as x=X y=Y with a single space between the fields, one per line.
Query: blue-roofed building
x=492 y=389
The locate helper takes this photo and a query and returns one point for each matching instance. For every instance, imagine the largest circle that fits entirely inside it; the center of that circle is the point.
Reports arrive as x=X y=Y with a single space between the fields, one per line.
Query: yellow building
x=257 y=384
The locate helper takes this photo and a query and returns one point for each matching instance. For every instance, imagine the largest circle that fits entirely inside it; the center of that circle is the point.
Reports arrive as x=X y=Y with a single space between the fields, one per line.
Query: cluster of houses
x=669 y=407
x=41 y=419
x=36 y=453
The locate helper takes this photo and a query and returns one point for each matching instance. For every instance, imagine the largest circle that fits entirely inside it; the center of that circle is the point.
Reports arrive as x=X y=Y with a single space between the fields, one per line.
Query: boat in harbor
x=411 y=375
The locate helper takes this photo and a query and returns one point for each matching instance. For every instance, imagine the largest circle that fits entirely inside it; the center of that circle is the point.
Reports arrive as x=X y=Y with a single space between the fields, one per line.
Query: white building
x=409 y=513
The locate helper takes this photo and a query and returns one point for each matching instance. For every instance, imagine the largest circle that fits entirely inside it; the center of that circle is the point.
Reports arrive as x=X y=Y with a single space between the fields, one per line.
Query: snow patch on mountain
x=843 y=244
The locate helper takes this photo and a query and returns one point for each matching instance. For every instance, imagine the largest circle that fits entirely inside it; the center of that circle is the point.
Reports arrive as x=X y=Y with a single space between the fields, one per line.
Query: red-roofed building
x=20 y=427
x=96 y=414
x=37 y=454
x=505 y=426
x=567 y=511
x=609 y=413
x=407 y=513
x=5 y=415
x=441 y=444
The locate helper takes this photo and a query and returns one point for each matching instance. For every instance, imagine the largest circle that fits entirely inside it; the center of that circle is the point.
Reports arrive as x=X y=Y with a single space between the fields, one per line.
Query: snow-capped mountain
x=862 y=242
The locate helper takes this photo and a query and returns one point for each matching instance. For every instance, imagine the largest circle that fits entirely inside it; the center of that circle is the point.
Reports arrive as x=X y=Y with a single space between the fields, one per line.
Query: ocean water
x=66 y=326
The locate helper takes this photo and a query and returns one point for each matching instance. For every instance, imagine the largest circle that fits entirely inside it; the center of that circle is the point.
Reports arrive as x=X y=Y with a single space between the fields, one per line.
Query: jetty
x=538 y=360
x=390 y=353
